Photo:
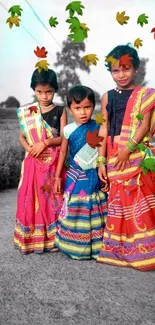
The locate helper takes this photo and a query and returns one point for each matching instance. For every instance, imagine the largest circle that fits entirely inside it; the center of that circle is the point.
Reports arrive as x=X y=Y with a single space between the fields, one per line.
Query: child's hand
x=57 y=186
x=105 y=186
x=37 y=148
x=122 y=159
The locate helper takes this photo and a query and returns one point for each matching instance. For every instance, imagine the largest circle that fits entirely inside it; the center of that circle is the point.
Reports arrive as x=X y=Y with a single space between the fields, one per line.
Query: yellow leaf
x=138 y=42
x=111 y=60
x=99 y=118
x=13 y=21
x=90 y=58
x=84 y=26
x=121 y=18
x=42 y=64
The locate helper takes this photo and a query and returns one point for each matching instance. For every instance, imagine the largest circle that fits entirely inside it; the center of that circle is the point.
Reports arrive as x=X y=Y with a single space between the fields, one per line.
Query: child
x=41 y=136
x=81 y=220
x=129 y=235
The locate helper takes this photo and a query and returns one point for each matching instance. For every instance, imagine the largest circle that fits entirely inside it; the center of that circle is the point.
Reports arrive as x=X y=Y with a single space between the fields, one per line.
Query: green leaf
x=15 y=10
x=142 y=19
x=79 y=35
x=149 y=163
x=74 y=23
x=140 y=117
x=53 y=21
x=141 y=147
x=75 y=6
x=144 y=170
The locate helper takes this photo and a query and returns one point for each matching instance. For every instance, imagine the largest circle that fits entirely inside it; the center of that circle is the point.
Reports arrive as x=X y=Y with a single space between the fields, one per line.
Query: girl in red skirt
x=129 y=111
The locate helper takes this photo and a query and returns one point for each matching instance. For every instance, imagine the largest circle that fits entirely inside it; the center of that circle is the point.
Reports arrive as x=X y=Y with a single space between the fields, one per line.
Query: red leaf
x=153 y=31
x=33 y=109
x=93 y=139
x=125 y=60
x=46 y=188
x=40 y=52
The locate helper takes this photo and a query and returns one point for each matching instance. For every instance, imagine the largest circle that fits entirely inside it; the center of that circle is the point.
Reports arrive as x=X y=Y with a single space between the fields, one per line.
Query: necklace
x=118 y=90
x=51 y=105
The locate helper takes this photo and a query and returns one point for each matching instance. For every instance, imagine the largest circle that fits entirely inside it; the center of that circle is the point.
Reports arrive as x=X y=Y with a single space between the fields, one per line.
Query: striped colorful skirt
x=81 y=220
x=129 y=234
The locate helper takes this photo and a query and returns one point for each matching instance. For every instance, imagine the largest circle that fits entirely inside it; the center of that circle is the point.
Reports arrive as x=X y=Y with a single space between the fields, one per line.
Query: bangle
x=44 y=143
x=57 y=177
x=100 y=161
x=134 y=141
x=130 y=146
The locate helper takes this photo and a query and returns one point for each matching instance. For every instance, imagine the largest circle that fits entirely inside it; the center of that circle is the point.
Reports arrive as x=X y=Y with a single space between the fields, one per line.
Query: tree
x=70 y=60
x=11 y=102
x=140 y=75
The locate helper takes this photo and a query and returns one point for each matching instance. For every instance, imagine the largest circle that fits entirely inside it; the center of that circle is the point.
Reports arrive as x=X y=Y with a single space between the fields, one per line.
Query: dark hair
x=79 y=93
x=121 y=50
x=44 y=78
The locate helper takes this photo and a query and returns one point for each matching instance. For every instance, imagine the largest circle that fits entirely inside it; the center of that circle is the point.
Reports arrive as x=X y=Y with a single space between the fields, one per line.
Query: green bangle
x=100 y=161
x=130 y=146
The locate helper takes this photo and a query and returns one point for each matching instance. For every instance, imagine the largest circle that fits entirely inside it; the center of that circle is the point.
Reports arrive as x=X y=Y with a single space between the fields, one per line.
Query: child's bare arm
x=62 y=156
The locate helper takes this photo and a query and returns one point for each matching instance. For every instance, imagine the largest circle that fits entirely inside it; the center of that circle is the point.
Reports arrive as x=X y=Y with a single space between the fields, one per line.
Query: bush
x=11 y=155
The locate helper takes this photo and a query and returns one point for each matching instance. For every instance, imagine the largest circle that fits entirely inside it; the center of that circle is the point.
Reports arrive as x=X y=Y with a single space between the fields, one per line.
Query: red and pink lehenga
x=37 y=205
x=129 y=234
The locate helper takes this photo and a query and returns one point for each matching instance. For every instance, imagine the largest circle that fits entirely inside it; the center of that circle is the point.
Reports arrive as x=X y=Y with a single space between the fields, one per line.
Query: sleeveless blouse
x=53 y=118
x=116 y=109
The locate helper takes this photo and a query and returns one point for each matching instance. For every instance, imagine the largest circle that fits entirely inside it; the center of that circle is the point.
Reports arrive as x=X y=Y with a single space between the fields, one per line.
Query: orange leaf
x=40 y=52
x=125 y=60
x=93 y=139
x=153 y=31
x=33 y=109
x=46 y=188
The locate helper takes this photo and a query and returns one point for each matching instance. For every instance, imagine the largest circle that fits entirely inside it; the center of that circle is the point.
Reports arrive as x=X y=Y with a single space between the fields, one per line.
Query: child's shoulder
x=68 y=129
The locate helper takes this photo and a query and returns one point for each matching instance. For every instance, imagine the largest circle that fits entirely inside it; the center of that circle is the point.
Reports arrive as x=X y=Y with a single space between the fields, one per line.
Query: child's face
x=82 y=112
x=44 y=94
x=123 y=76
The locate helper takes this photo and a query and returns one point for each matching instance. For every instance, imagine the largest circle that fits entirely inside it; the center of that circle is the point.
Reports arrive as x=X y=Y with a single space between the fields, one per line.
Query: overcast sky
x=17 y=60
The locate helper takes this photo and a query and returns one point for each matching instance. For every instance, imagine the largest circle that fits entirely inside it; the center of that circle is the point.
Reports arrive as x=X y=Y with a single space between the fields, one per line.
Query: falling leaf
x=90 y=58
x=125 y=60
x=42 y=64
x=153 y=31
x=53 y=21
x=13 y=21
x=15 y=10
x=141 y=147
x=93 y=139
x=40 y=52
x=79 y=35
x=138 y=42
x=46 y=188
x=111 y=60
x=142 y=19
x=99 y=118
x=148 y=164
x=140 y=117
x=75 y=6
x=74 y=23
x=84 y=26
x=33 y=109
x=121 y=18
